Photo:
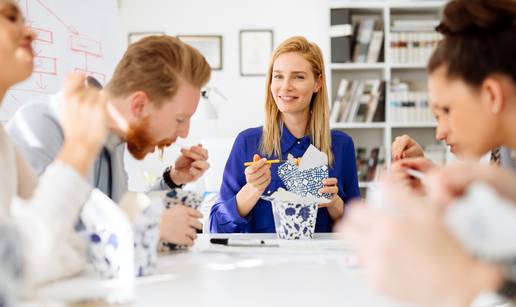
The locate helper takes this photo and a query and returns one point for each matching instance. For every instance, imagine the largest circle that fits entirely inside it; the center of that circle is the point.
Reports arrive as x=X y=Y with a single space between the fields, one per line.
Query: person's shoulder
x=39 y=115
x=340 y=137
x=36 y=107
x=250 y=133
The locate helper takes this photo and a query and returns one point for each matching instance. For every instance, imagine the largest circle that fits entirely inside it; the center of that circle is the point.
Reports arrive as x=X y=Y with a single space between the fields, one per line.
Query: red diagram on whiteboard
x=59 y=48
x=43 y=35
x=48 y=66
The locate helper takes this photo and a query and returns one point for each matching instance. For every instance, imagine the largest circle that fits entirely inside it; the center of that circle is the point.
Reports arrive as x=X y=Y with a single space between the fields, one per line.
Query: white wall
x=244 y=109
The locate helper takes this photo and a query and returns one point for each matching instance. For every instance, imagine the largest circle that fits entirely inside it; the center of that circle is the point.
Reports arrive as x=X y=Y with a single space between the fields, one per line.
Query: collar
x=112 y=141
x=288 y=140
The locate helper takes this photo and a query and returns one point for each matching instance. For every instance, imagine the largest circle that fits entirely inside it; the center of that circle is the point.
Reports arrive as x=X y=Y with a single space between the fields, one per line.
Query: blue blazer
x=224 y=217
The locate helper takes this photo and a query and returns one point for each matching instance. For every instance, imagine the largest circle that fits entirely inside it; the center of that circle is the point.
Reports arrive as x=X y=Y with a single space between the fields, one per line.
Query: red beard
x=139 y=140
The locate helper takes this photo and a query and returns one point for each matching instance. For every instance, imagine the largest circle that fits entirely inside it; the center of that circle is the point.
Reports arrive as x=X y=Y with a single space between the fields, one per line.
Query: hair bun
x=477 y=16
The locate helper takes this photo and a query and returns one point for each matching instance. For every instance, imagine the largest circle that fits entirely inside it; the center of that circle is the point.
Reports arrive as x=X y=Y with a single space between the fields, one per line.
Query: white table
x=216 y=275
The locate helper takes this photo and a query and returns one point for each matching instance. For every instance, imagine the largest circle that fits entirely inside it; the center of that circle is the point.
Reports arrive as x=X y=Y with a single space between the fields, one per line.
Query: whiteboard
x=73 y=35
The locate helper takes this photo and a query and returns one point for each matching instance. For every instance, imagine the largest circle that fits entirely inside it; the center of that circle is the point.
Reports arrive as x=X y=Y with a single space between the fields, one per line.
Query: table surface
x=317 y=272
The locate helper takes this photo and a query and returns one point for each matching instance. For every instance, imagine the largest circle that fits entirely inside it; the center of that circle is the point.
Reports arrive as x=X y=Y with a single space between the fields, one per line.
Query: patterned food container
x=294 y=220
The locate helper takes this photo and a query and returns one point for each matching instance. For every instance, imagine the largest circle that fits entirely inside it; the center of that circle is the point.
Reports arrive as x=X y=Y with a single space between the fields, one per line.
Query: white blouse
x=44 y=214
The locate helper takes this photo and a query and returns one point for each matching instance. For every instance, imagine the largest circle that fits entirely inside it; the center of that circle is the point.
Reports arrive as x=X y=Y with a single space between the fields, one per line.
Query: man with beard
x=154 y=91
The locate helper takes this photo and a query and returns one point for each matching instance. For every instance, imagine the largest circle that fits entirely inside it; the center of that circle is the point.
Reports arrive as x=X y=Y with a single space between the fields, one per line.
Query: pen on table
x=243 y=242
x=272 y=162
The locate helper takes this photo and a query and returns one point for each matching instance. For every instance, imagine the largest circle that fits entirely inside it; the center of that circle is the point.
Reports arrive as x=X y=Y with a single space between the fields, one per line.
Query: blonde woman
x=296 y=115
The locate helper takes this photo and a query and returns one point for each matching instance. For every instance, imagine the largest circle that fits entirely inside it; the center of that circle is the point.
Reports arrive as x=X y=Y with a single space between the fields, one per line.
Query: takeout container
x=294 y=216
x=294 y=220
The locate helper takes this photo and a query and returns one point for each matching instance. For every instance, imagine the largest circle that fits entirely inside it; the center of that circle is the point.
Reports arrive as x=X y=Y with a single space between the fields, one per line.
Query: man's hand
x=179 y=224
x=191 y=165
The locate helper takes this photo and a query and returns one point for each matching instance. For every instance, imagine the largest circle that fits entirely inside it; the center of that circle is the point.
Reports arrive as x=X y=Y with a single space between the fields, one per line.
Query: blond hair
x=318 y=123
x=155 y=65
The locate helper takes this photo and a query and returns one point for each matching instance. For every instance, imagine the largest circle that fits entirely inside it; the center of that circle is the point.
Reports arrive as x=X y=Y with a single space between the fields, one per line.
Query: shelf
x=408 y=5
x=364 y=184
x=381 y=134
x=356 y=66
x=407 y=65
x=376 y=125
x=357 y=125
x=357 y=5
x=413 y=125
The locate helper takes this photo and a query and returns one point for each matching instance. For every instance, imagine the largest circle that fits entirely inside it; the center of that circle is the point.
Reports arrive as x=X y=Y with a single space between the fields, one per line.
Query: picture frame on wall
x=136 y=36
x=210 y=47
x=255 y=51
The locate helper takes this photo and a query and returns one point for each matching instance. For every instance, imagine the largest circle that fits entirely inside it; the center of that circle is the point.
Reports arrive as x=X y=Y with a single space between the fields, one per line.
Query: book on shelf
x=341 y=32
x=355 y=38
x=413 y=37
x=365 y=28
x=369 y=160
x=358 y=101
x=375 y=47
x=414 y=22
x=412 y=47
x=409 y=107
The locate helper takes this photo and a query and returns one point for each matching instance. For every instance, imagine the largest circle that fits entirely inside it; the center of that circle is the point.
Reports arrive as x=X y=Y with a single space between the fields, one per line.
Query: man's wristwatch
x=170 y=183
x=507 y=290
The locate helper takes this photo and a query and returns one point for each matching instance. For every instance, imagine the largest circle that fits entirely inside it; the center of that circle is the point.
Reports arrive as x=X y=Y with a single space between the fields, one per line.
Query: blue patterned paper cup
x=294 y=220
x=146 y=229
x=179 y=197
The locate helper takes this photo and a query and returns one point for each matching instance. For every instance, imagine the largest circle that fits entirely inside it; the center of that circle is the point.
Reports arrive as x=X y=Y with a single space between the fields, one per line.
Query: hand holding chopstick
x=297 y=160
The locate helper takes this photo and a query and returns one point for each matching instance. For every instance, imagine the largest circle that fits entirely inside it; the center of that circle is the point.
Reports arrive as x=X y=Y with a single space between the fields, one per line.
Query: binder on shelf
x=341 y=32
x=359 y=101
x=375 y=47
x=336 y=107
x=368 y=162
x=363 y=38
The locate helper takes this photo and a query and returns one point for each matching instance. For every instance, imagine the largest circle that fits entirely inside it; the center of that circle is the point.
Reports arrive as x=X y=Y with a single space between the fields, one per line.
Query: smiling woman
x=296 y=116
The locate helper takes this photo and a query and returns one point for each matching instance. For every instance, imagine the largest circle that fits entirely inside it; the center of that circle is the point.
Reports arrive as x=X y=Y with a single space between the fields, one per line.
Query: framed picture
x=209 y=45
x=136 y=36
x=255 y=51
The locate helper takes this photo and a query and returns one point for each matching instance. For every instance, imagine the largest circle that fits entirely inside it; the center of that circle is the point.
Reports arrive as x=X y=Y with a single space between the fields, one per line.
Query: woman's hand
x=408 y=240
x=336 y=205
x=448 y=183
x=420 y=164
x=258 y=177
x=405 y=147
x=83 y=117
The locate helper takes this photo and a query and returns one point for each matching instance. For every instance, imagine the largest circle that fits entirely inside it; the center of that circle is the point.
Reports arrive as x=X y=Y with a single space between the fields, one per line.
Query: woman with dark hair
x=37 y=237
x=412 y=255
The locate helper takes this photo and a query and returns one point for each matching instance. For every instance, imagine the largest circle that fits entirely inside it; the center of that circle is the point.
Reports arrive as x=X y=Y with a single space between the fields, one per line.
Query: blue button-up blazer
x=224 y=216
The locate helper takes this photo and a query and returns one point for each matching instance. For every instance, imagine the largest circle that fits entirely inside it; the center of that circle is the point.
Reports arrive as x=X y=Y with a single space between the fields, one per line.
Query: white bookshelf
x=383 y=133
